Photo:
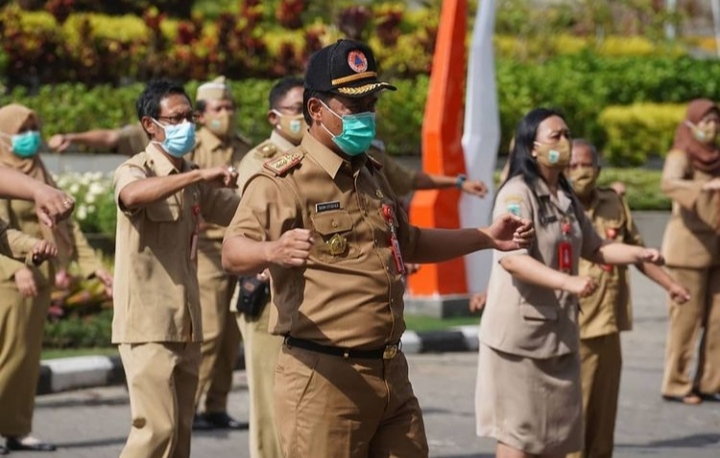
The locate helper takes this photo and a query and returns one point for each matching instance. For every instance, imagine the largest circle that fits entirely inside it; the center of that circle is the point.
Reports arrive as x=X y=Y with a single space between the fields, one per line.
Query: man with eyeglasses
x=162 y=201
x=253 y=313
x=217 y=144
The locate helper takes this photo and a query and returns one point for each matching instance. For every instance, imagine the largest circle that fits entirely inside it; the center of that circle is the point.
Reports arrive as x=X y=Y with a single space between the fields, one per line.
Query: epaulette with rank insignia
x=282 y=164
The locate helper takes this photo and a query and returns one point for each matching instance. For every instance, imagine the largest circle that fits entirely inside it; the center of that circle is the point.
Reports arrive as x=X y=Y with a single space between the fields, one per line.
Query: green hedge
x=582 y=86
x=640 y=131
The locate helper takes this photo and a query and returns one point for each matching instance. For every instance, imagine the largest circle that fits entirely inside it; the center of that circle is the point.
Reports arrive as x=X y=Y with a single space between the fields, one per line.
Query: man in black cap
x=326 y=224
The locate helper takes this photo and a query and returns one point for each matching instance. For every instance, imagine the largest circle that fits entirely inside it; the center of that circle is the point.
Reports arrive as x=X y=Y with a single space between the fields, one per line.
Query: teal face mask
x=357 y=134
x=26 y=144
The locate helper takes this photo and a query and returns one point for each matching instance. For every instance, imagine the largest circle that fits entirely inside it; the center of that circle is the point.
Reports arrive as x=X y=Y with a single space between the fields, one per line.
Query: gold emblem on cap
x=337 y=245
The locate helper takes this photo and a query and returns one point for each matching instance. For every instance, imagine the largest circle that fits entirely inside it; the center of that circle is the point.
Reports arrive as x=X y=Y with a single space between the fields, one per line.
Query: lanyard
x=387 y=212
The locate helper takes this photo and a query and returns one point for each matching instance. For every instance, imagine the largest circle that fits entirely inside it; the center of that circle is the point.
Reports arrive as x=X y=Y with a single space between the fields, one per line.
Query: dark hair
x=522 y=161
x=281 y=88
x=200 y=106
x=311 y=94
x=593 y=151
x=148 y=104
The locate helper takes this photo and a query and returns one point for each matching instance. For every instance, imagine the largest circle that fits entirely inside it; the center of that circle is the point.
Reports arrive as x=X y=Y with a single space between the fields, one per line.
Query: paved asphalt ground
x=94 y=422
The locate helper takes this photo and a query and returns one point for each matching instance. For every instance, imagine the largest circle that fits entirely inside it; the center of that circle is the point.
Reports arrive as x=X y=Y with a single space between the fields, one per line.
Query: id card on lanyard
x=195 y=232
x=565 y=249
x=387 y=212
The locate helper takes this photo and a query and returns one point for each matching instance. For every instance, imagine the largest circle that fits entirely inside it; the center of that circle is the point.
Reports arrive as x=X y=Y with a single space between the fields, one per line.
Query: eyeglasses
x=190 y=116
x=295 y=109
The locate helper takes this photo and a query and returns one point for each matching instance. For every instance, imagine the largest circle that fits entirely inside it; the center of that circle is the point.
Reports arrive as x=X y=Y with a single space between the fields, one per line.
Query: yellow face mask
x=293 y=127
x=554 y=156
x=221 y=124
x=583 y=180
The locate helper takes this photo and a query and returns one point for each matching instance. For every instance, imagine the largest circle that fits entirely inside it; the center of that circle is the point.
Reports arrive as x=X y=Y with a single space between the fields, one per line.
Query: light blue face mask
x=179 y=138
x=357 y=134
x=26 y=144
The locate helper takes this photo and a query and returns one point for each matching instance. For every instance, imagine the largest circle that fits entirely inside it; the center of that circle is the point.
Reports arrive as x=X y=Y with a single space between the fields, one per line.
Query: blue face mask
x=179 y=138
x=26 y=144
x=357 y=134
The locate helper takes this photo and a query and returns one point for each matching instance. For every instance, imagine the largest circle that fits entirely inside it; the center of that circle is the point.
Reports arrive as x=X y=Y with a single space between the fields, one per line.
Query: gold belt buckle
x=390 y=351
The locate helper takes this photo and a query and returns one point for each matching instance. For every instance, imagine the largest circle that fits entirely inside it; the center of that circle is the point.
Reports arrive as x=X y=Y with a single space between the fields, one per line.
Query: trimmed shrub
x=638 y=132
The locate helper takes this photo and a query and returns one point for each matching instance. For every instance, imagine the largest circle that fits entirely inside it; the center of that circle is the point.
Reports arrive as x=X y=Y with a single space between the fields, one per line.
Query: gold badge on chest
x=337 y=245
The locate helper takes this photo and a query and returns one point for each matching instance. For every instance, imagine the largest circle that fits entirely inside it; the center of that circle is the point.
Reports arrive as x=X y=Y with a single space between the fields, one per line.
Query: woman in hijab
x=691 y=245
x=21 y=340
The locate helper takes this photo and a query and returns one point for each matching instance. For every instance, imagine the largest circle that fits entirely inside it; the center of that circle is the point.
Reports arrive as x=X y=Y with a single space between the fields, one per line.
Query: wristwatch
x=460 y=180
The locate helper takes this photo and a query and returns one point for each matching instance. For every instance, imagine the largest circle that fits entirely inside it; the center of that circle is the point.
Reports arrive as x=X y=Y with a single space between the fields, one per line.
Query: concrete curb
x=63 y=374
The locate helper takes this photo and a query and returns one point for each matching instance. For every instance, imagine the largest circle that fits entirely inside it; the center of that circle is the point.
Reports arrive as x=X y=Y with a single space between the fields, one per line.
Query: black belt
x=387 y=352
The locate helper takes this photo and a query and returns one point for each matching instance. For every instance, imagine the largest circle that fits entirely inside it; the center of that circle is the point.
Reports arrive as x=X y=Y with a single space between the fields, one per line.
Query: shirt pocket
x=161 y=228
x=538 y=312
x=335 y=239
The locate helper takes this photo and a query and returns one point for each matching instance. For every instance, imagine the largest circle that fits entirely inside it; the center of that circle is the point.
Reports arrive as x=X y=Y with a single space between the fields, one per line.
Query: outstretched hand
x=509 y=232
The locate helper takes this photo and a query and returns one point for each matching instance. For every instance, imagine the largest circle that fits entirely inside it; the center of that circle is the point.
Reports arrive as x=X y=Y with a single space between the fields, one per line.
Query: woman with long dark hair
x=528 y=393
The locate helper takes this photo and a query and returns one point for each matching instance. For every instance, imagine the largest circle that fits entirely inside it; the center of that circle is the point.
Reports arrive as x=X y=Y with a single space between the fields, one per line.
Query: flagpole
x=481 y=138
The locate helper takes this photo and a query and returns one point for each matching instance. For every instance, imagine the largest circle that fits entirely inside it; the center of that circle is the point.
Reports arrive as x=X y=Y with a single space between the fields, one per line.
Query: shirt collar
x=282 y=143
x=161 y=163
x=330 y=161
x=560 y=200
x=209 y=139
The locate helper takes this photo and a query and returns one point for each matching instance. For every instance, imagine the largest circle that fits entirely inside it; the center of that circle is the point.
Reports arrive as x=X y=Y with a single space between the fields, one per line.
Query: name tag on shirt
x=327 y=206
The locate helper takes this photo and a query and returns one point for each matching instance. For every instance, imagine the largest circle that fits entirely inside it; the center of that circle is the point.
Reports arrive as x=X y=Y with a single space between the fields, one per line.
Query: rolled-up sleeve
x=124 y=175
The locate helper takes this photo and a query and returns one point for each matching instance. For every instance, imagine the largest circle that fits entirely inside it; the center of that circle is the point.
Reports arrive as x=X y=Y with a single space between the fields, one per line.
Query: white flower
x=91 y=209
x=89 y=198
x=81 y=212
x=74 y=188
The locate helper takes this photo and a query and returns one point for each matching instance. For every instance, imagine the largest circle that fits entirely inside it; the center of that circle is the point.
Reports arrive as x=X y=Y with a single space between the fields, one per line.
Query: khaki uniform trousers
x=22 y=322
x=161 y=379
x=261 y=354
x=221 y=338
x=329 y=406
x=700 y=313
x=600 y=367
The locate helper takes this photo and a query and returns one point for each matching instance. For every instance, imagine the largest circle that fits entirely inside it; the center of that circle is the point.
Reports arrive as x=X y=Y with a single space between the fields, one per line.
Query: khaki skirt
x=533 y=405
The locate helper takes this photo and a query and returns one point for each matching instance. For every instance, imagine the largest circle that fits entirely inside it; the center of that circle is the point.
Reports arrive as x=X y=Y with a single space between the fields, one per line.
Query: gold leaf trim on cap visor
x=361 y=89
x=351 y=78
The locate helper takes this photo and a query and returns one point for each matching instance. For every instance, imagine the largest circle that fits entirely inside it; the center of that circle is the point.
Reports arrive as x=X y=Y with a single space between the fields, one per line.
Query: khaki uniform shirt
x=350 y=293
x=21 y=215
x=690 y=239
x=608 y=310
x=156 y=297
x=210 y=152
x=402 y=179
x=132 y=139
x=253 y=161
x=14 y=244
x=521 y=318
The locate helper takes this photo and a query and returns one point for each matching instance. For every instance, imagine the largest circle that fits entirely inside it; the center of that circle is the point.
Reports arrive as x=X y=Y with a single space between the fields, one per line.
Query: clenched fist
x=292 y=249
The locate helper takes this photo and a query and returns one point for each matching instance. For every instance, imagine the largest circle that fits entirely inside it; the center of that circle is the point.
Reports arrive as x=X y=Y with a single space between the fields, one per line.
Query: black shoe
x=13 y=443
x=201 y=424
x=689 y=399
x=715 y=397
x=221 y=420
x=4 y=450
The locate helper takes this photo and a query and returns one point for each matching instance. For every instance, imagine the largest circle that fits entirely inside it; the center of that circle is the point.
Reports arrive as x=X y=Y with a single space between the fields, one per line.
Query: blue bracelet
x=460 y=180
